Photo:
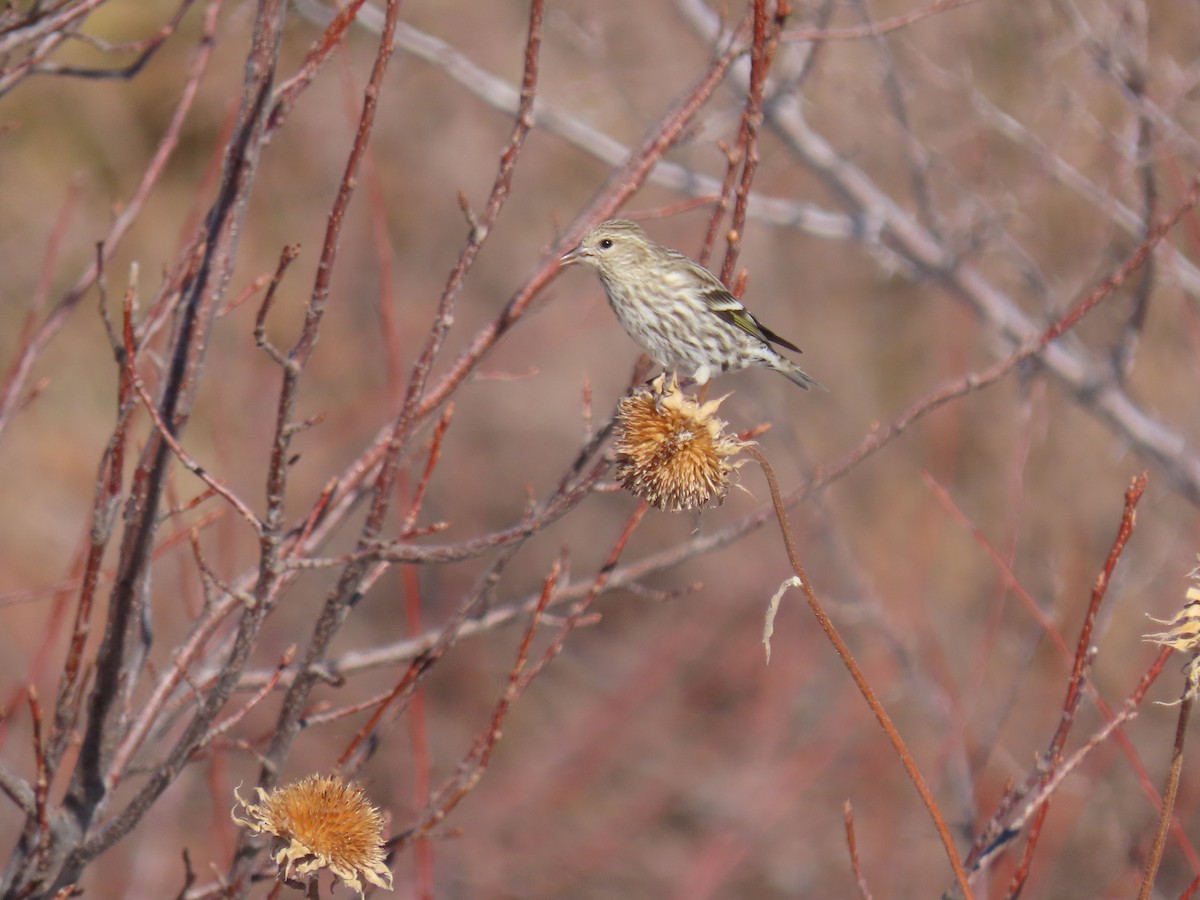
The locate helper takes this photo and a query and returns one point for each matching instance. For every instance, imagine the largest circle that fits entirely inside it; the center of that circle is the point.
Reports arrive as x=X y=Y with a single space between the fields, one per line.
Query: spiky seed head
x=1183 y=634
x=673 y=452
x=320 y=822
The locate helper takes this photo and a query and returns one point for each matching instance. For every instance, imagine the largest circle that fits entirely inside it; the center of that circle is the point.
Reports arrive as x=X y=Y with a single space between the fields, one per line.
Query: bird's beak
x=572 y=256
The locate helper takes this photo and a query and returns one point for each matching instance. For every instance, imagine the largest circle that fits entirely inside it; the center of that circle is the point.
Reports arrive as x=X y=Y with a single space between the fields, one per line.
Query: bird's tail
x=796 y=375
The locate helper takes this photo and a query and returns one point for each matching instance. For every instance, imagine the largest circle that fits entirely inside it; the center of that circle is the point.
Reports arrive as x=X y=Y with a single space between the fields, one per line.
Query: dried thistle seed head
x=320 y=822
x=1184 y=631
x=1183 y=634
x=671 y=451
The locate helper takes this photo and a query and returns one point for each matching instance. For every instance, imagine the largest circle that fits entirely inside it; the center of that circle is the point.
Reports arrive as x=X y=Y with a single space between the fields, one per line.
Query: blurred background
x=657 y=755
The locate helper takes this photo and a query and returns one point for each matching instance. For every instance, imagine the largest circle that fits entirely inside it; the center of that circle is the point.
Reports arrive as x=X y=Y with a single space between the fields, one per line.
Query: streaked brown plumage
x=676 y=310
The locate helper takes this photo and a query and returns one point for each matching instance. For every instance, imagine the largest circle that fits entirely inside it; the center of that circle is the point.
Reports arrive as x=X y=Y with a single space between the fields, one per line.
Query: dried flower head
x=320 y=822
x=671 y=451
x=1183 y=633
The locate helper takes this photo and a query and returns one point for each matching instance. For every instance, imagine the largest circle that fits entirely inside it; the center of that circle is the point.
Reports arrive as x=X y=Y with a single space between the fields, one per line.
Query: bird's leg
x=658 y=387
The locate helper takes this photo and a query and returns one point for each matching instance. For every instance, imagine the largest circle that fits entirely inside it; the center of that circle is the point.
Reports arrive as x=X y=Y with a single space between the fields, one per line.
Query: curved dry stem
x=1168 y=800
x=860 y=679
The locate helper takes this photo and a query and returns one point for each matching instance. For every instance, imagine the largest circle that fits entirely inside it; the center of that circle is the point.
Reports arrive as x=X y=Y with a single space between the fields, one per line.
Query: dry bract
x=320 y=822
x=1183 y=634
x=671 y=451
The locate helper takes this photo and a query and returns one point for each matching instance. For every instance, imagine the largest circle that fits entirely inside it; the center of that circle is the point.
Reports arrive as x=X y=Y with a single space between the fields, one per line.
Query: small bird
x=676 y=310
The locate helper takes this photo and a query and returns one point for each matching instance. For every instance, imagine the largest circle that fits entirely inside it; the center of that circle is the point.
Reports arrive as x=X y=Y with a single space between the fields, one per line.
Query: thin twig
x=822 y=477
x=762 y=46
x=1018 y=807
x=860 y=680
x=355 y=576
x=130 y=210
x=1083 y=655
x=1172 y=790
x=860 y=879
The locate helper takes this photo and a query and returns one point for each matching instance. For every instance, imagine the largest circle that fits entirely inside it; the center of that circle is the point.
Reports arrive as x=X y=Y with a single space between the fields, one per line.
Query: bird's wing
x=730 y=308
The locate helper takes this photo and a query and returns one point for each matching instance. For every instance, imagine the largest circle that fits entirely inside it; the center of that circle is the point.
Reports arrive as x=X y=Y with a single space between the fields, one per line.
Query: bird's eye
x=606 y=244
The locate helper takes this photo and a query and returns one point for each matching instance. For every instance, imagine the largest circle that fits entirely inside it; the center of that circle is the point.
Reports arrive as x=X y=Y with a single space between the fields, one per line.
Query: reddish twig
x=105 y=509
x=1019 y=806
x=422 y=766
x=1006 y=824
x=1035 y=611
x=732 y=158
x=117 y=662
x=331 y=38
x=11 y=390
x=256 y=698
x=520 y=676
x=762 y=47
x=617 y=189
x=287 y=256
x=852 y=845
x=974 y=381
x=469 y=772
x=319 y=300
x=166 y=432
x=41 y=784
x=597 y=587
x=1169 y=794
x=1083 y=656
x=408 y=526
x=1133 y=496
x=356 y=574
x=49 y=266
x=860 y=679
x=385 y=302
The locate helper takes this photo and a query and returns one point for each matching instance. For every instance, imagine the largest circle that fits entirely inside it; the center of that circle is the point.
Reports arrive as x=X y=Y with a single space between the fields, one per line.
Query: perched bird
x=678 y=311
